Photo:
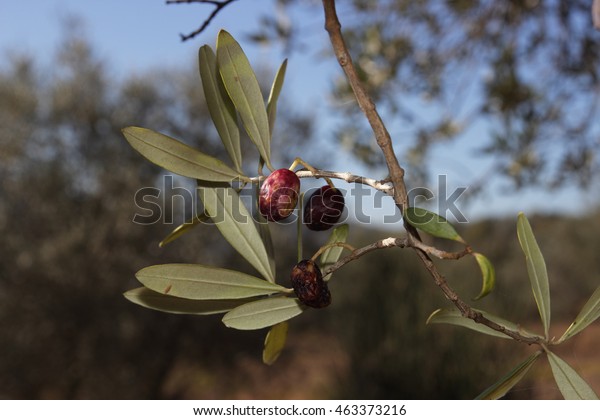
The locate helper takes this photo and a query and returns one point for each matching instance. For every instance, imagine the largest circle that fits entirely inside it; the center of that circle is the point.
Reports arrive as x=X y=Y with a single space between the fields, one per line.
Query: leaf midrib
x=267 y=286
x=259 y=142
x=214 y=84
x=264 y=311
x=545 y=310
x=565 y=376
x=262 y=261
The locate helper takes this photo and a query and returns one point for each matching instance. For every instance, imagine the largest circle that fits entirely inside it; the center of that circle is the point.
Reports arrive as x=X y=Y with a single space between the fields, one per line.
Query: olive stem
x=299 y=226
x=261 y=164
x=332 y=245
x=299 y=161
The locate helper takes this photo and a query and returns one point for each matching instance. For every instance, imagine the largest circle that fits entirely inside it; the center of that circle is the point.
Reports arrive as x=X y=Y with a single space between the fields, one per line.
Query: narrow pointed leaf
x=431 y=223
x=178 y=157
x=454 y=317
x=274 y=95
x=175 y=305
x=184 y=228
x=332 y=255
x=508 y=381
x=220 y=107
x=571 y=385
x=265 y=235
x=275 y=342
x=195 y=281
x=243 y=89
x=488 y=273
x=263 y=313
x=225 y=207
x=536 y=268
x=588 y=314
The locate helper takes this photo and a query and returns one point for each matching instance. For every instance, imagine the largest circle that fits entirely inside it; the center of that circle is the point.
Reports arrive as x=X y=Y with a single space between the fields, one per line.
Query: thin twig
x=384 y=141
x=359 y=252
x=332 y=245
x=382 y=186
x=219 y=5
x=465 y=309
x=438 y=253
x=391 y=243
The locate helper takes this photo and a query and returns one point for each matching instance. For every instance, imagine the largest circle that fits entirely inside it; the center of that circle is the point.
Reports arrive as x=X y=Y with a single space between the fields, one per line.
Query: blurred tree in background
x=528 y=70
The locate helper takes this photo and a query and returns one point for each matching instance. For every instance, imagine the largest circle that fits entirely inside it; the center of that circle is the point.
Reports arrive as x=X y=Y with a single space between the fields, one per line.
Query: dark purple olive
x=324 y=208
x=278 y=195
x=309 y=286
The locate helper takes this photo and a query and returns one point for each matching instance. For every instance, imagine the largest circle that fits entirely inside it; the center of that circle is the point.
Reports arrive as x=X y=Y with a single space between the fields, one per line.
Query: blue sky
x=137 y=35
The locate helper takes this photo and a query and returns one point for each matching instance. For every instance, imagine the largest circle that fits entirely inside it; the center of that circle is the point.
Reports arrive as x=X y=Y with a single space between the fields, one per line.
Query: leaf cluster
x=571 y=385
x=233 y=95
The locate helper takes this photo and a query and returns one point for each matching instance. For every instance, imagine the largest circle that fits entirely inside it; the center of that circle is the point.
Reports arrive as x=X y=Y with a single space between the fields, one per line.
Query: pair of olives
x=279 y=194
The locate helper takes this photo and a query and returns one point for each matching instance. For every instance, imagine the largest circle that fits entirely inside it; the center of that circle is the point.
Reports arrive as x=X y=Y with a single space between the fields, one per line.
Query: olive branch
x=249 y=302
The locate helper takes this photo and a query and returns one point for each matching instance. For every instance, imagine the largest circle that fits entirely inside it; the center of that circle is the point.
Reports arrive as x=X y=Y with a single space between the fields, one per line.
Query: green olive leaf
x=178 y=157
x=184 y=228
x=508 y=381
x=243 y=89
x=220 y=107
x=454 y=317
x=488 y=273
x=225 y=207
x=275 y=342
x=571 y=385
x=265 y=235
x=331 y=255
x=536 y=268
x=274 y=95
x=431 y=223
x=263 y=313
x=195 y=281
x=588 y=314
x=175 y=305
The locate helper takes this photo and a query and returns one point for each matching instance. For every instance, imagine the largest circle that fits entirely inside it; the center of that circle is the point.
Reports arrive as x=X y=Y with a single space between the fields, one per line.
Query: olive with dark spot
x=309 y=286
x=278 y=195
x=324 y=208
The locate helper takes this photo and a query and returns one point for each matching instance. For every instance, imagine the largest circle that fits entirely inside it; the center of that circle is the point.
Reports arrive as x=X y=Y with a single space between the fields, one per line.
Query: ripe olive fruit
x=324 y=208
x=278 y=195
x=309 y=286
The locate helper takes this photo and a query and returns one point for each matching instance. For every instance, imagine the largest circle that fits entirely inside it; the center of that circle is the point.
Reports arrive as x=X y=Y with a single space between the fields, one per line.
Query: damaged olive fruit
x=278 y=195
x=309 y=286
x=324 y=208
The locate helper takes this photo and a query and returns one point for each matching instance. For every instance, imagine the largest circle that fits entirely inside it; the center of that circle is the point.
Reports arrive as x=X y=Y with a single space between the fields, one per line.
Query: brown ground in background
x=311 y=366
x=314 y=364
